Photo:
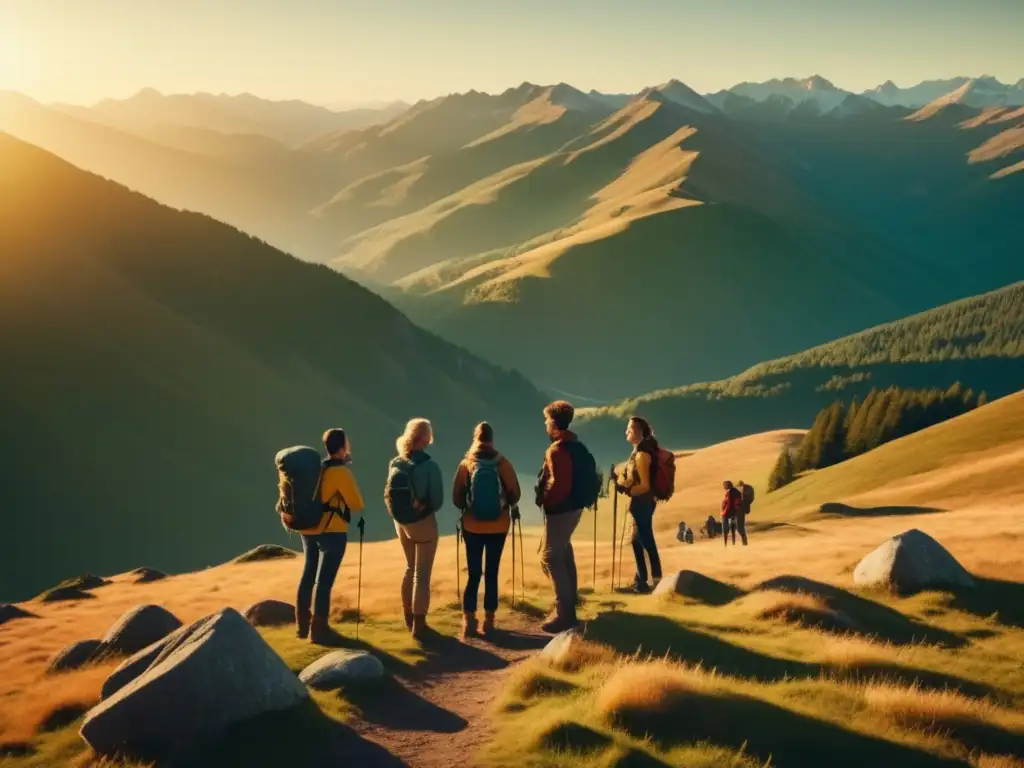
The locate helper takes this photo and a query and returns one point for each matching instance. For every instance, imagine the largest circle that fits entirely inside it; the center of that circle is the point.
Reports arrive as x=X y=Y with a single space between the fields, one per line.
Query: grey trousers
x=557 y=560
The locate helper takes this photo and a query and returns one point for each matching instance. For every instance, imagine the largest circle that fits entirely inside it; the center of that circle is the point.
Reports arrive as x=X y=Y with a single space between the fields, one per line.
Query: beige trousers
x=557 y=560
x=419 y=542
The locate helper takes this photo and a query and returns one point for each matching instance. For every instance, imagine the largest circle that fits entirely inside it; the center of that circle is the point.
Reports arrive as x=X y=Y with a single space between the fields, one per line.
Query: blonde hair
x=415 y=431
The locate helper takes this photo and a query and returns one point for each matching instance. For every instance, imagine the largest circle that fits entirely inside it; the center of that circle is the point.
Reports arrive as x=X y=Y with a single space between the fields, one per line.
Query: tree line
x=844 y=430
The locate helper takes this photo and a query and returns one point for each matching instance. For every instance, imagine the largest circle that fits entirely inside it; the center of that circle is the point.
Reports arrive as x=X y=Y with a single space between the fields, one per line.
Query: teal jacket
x=427 y=483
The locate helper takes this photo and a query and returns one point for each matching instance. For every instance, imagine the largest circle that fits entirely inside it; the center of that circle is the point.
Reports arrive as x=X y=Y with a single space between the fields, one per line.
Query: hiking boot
x=302 y=624
x=468 y=625
x=408 y=620
x=559 y=624
x=321 y=632
x=419 y=625
x=488 y=628
x=641 y=588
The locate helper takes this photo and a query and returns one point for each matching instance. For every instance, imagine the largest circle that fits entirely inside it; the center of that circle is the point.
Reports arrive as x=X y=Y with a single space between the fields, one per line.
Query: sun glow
x=9 y=61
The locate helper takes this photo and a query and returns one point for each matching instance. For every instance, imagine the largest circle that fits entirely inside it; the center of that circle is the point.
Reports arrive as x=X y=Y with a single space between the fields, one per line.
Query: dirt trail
x=438 y=713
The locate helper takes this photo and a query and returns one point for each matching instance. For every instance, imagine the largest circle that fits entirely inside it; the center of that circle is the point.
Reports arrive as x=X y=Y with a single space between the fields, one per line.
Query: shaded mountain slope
x=977 y=341
x=156 y=360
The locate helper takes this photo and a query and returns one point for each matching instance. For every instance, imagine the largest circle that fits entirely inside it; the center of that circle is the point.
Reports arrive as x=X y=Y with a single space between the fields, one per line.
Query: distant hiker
x=486 y=490
x=711 y=527
x=732 y=514
x=413 y=494
x=566 y=485
x=324 y=544
x=685 y=533
x=637 y=482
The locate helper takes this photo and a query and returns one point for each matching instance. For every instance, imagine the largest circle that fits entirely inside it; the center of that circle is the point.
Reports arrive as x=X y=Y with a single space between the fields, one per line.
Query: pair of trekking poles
x=622 y=537
x=522 y=559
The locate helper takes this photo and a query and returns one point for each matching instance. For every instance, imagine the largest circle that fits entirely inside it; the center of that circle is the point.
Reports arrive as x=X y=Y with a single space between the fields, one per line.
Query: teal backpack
x=399 y=494
x=484 y=498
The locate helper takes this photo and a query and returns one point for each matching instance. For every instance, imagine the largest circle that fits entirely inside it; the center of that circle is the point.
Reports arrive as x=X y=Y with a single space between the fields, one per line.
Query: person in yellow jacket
x=324 y=545
x=488 y=473
x=636 y=482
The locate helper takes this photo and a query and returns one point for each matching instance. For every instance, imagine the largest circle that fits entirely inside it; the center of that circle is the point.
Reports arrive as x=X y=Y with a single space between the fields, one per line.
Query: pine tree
x=855 y=434
x=783 y=472
x=982 y=399
x=833 y=441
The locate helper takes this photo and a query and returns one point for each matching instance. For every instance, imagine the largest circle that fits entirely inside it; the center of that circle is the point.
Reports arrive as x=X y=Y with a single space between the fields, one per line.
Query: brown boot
x=320 y=631
x=408 y=620
x=488 y=628
x=419 y=625
x=468 y=625
x=302 y=624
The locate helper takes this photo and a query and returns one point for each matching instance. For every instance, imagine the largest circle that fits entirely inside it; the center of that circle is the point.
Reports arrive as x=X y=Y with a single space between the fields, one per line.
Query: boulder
x=558 y=645
x=61 y=594
x=85 y=581
x=9 y=612
x=145 y=575
x=135 y=665
x=910 y=562
x=339 y=668
x=208 y=676
x=265 y=552
x=697 y=586
x=138 y=628
x=269 y=613
x=74 y=656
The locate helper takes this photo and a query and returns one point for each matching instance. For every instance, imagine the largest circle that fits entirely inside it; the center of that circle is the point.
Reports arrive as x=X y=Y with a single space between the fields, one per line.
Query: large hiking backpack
x=399 y=495
x=663 y=470
x=585 y=481
x=485 y=498
x=298 y=487
x=748 y=496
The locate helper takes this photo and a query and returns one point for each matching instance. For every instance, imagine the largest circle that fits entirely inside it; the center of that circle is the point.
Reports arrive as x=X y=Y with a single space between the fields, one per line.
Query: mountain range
x=156 y=360
x=608 y=244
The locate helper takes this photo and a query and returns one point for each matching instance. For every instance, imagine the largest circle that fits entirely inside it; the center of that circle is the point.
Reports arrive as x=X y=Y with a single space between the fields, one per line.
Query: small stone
x=341 y=667
x=270 y=613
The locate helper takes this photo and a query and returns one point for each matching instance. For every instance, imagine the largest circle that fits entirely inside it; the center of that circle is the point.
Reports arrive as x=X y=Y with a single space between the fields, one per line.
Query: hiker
x=637 y=482
x=486 y=490
x=685 y=533
x=324 y=544
x=732 y=514
x=413 y=494
x=566 y=485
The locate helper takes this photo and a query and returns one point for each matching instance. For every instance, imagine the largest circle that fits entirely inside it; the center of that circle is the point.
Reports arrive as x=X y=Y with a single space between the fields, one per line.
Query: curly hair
x=414 y=432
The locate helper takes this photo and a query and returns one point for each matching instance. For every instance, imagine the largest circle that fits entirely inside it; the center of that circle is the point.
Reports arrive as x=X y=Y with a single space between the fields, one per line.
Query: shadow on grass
x=576 y=738
x=992 y=597
x=704 y=589
x=301 y=736
x=838 y=509
x=635 y=758
x=985 y=737
x=767 y=732
x=870 y=618
x=628 y=633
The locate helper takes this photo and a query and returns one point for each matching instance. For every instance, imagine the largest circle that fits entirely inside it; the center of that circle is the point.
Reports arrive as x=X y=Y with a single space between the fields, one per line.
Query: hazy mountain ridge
x=179 y=355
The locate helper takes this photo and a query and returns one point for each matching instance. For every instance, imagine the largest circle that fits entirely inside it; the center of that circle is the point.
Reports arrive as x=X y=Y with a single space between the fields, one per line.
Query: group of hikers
x=318 y=497
x=735 y=507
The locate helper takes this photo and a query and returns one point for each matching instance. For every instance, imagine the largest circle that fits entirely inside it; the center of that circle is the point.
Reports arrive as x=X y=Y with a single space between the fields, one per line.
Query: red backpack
x=664 y=474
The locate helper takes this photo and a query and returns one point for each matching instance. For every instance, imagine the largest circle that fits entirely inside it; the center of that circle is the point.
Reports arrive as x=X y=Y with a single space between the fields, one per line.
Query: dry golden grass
x=649 y=687
x=580 y=654
x=853 y=653
x=939 y=711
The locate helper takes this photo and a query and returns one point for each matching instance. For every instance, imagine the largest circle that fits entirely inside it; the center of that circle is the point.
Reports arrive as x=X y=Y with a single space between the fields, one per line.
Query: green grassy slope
x=978 y=341
x=154 y=361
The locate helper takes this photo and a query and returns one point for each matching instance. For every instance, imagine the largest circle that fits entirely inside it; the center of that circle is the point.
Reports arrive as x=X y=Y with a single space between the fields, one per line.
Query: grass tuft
x=265 y=552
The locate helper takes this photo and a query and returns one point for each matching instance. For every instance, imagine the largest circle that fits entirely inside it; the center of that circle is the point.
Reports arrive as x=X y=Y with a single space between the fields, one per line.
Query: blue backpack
x=485 y=499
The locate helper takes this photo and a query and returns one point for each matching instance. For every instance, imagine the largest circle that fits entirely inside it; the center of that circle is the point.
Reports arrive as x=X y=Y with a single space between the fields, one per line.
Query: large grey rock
x=269 y=613
x=135 y=665
x=205 y=678
x=341 y=667
x=697 y=586
x=74 y=656
x=139 y=628
x=909 y=563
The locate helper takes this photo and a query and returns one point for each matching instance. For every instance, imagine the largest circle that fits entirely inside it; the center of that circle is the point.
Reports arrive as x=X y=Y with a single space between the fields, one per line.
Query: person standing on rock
x=567 y=484
x=486 y=489
x=732 y=514
x=324 y=545
x=636 y=482
x=413 y=494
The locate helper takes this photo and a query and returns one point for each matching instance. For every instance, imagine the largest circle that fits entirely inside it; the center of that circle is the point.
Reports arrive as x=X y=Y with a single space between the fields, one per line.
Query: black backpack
x=586 y=484
x=298 y=499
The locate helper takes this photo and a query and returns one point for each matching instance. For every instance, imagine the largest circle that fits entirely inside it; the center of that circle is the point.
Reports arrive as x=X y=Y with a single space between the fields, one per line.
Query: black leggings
x=643 y=539
x=476 y=544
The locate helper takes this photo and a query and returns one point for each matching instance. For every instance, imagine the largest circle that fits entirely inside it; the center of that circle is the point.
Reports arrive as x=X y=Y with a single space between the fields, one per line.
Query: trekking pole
x=622 y=541
x=458 y=567
x=513 y=562
x=359 y=588
x=595 y=547
x=522 y=560
x=615 y=518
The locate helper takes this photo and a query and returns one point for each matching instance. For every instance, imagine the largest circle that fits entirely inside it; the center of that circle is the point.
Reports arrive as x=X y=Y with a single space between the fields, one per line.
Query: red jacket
x=556 y=475
x=732 y=504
